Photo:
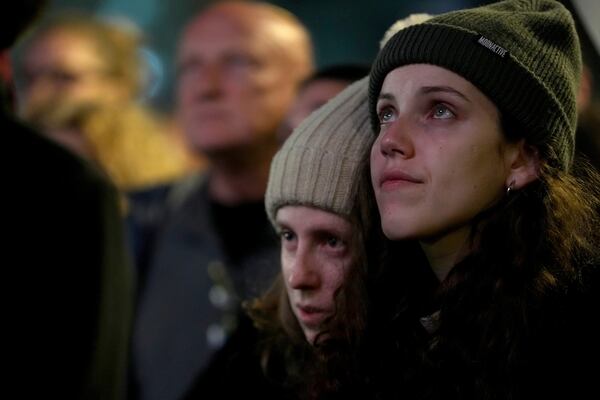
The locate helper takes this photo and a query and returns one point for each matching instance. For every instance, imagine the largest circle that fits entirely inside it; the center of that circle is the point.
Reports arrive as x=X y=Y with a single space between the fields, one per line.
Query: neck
x=444 y=252
x=241 y=176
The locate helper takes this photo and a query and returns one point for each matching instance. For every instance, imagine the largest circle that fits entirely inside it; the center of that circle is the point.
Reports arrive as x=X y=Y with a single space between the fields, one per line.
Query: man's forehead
x=221 y=21
x=220 y=32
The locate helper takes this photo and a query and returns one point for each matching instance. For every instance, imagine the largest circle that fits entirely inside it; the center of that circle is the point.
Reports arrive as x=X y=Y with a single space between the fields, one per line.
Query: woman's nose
x=396 y=139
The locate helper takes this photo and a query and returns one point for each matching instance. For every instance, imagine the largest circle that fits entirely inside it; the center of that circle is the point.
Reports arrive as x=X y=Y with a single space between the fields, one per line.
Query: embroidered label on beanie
x=497 y=49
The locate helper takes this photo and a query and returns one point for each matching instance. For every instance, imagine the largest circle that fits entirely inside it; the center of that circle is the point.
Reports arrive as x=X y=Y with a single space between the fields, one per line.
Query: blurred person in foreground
x=239 y=68
x=70 y=282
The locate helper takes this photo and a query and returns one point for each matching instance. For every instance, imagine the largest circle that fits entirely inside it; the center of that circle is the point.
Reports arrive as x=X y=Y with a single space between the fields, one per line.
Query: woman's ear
x=524 y=167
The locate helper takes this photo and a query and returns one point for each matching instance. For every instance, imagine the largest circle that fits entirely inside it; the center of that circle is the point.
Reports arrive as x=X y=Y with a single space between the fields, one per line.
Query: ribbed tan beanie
x=319 y=164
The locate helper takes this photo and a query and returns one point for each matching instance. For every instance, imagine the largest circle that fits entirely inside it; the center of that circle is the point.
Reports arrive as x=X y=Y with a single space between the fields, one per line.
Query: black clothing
x=67 y=277
x=480 y=348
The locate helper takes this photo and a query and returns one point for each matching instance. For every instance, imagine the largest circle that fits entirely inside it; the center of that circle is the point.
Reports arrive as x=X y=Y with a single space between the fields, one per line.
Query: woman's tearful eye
x=441 y=111
x=386 y=115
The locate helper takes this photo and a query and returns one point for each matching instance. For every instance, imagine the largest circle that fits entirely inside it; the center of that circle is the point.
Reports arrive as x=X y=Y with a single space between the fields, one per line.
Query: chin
x=396 y=230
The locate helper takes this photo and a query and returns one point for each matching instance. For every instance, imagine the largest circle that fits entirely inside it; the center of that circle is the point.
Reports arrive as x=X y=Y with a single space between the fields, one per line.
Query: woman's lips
x=393 y=179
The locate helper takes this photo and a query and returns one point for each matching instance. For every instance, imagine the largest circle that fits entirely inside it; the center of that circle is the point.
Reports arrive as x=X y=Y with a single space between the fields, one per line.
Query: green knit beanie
x=319 y=164
x=523 y=54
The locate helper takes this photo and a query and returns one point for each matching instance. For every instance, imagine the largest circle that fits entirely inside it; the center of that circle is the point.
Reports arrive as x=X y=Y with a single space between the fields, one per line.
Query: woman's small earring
x=510 y=188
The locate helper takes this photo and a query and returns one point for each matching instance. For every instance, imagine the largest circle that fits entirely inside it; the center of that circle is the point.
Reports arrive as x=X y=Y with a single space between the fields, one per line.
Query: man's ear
x=524 y=166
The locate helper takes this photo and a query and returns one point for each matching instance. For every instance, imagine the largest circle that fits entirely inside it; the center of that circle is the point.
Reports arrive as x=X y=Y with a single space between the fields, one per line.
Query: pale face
x=440 y=157
x=311 y=97
x=232 y=87
x=64 y=66
x=316 y=254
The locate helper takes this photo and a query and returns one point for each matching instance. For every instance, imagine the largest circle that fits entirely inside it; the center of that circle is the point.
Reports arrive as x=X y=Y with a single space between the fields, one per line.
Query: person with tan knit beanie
x=310 y=200
x=318 y=201
x=472 y=168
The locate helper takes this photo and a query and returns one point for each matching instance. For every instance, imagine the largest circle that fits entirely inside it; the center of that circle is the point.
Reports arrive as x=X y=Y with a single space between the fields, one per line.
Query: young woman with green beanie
x=495 y=289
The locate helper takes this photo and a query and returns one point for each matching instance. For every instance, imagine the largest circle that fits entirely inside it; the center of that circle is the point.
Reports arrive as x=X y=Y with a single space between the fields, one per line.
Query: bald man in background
x=239 y=68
